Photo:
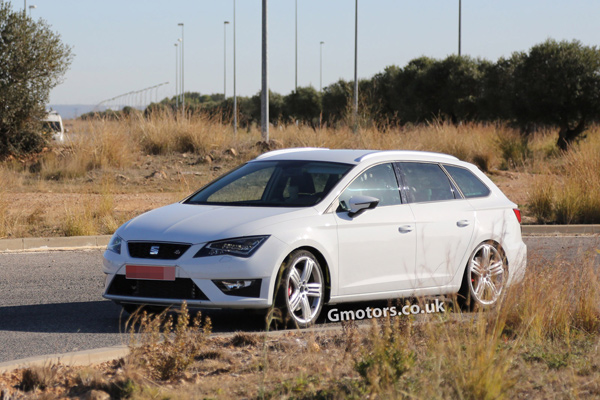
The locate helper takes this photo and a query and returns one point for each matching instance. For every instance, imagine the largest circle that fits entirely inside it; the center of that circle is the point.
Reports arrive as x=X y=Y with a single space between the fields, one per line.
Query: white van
x=53 y=125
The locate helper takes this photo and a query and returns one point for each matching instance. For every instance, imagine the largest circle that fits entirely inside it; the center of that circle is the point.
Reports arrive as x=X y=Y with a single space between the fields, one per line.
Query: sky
x=127 y=45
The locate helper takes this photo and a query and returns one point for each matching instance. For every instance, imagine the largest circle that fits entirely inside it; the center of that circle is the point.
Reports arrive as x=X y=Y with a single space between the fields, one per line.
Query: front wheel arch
x=279 y=311
x=324 y=267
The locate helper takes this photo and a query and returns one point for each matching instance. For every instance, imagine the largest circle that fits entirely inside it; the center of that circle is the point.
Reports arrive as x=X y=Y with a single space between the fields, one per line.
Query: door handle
x=405 y=229
x=462 y=223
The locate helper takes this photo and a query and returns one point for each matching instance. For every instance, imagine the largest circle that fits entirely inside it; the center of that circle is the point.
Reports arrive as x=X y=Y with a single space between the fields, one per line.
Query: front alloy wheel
x=303 y=288
x=486 y=274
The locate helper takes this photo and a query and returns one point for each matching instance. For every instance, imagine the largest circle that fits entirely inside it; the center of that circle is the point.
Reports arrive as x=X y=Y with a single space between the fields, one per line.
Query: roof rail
x=285 y=151
x=404 y=153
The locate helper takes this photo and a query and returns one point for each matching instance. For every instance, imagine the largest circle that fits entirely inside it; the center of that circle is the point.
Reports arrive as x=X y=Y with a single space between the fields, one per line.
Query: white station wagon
x=300 y=228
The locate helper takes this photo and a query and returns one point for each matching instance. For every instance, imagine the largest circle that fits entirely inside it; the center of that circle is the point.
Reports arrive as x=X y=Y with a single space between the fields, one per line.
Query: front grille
x=157 y=250
x=180 y=288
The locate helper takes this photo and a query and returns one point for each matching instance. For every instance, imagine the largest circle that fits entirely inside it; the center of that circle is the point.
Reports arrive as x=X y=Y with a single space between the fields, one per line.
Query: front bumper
x=194 y=278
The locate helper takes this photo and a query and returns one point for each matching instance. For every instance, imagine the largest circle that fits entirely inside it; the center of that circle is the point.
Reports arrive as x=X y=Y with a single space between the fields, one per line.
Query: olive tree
x=304 y=104
x=33 y=60
x=558 y=84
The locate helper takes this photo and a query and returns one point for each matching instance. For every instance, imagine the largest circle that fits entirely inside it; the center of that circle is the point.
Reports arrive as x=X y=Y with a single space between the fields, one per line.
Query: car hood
x=190 y=223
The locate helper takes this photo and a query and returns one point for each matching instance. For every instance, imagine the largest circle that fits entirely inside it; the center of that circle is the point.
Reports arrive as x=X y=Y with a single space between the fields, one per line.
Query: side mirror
x=359 y=204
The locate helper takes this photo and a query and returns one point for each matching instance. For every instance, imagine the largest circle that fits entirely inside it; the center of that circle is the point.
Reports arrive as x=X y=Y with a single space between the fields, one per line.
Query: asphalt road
x=50 y=302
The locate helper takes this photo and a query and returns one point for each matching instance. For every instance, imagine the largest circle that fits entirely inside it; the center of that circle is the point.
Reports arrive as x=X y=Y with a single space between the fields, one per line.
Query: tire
x=301 y=289
x=485 y=276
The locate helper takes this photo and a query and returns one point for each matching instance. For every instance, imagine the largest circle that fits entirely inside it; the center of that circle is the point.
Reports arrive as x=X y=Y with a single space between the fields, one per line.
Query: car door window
x=379 y=182
x=469 y=184
x=425 y=182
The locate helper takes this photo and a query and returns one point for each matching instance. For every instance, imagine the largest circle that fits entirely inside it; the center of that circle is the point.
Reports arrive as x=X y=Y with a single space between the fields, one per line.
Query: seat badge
x=154 y=250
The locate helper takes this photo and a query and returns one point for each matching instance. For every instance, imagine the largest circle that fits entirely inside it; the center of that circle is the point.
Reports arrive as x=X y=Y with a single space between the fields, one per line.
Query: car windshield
x=273 y=184
x=51 y=126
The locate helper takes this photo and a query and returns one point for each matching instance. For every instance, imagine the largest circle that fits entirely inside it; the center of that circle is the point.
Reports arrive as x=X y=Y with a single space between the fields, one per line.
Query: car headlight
x=238 y=247
x=115 y=244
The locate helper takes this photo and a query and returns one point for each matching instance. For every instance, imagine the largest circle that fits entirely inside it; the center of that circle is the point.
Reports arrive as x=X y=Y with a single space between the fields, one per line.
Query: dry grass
x=105 y=159
x=489 y=146
x=163 y=348
x=38 y=377
x=9 y=222
x=161 y=134
x=95 y=145
x=93 y=215
x=555 y=301
x=569 y=192
x=469 y=142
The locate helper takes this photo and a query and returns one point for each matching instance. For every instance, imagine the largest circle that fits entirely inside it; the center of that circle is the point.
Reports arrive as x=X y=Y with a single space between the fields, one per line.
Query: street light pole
x=180 y=88
x=296 y=80
x=459 y=26
x=355 y=63
x=225 y=59
x=30 y=8
x=176 y=78
x=234 y=77
x=321 y=66
x=182 y=75
x=264 y=109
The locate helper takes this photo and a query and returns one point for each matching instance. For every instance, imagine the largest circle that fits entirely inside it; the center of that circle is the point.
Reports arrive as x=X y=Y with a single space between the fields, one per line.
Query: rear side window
x=468 y=183
x=425 y=182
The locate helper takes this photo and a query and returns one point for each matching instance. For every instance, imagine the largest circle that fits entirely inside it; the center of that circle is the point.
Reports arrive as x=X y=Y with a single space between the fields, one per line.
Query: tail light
x=517 y=214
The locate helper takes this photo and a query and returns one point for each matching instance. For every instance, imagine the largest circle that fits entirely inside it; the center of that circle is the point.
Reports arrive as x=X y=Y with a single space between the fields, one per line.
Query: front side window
x=468 y=183
x=425 y=182
x=273 y=184
x=378 y=182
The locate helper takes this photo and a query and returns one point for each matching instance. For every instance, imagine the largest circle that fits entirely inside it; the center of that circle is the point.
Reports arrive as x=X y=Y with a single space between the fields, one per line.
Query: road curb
x=104 y=354
x=100 y=355
x=53 y=243
x=72 y=242
x=535 y=230
x=84 y=357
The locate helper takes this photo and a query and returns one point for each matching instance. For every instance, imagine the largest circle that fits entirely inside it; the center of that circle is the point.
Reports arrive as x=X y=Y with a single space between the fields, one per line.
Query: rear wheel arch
x=465 y=294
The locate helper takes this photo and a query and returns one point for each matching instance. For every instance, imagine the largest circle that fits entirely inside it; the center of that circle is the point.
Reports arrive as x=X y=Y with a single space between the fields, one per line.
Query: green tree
x=412 y=100
x=276 y=108
x=33 y=60
x=384 y=94
x=558 y=84
x=451 y=88
x=336 y=100
x=304 y=104
x=499 y=91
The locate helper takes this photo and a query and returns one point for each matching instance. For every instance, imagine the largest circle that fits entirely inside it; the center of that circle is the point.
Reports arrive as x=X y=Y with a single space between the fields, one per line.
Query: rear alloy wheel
x=486 y=274
x=302 y=288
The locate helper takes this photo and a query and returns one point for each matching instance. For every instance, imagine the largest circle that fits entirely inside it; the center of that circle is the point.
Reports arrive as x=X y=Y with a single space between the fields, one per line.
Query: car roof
x=52 y=116
x=354 y=157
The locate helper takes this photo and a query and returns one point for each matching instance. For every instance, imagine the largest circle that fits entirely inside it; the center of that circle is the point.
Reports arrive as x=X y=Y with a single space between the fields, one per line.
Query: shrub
x=166 y=349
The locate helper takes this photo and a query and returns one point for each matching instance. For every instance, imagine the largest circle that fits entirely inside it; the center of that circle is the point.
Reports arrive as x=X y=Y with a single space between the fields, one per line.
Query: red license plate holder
x=150 y=272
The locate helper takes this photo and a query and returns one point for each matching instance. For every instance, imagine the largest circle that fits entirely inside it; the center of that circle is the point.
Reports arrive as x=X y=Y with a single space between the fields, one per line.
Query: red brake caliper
x=289 y=291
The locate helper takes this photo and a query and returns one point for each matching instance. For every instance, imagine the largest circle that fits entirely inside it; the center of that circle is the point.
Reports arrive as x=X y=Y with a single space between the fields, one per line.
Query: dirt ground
x=38 y=206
